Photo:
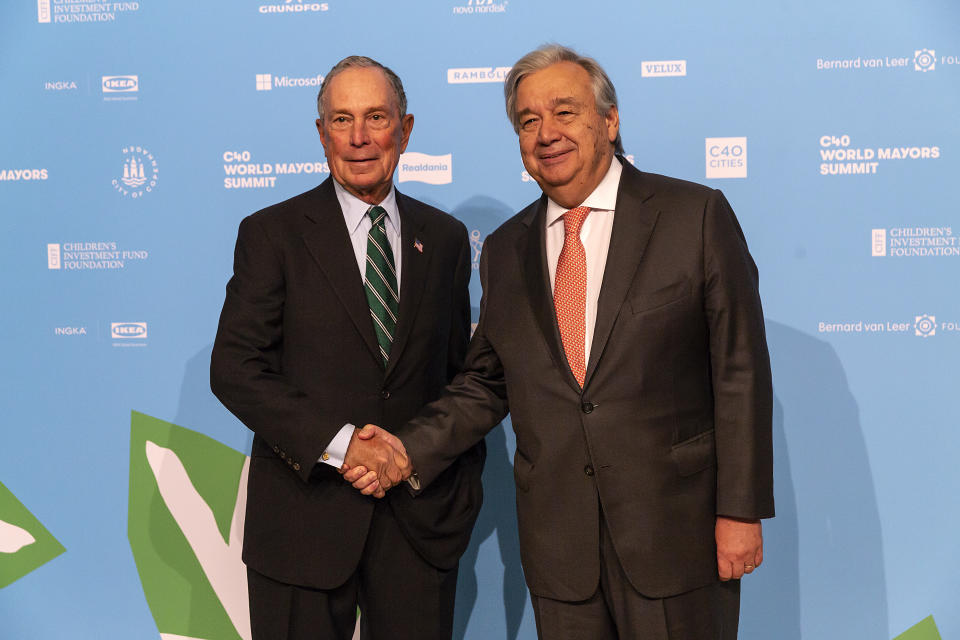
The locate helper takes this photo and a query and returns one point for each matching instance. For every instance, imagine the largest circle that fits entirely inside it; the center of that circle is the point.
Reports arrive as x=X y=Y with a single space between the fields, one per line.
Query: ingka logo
x=120 y=84
x=128 y=330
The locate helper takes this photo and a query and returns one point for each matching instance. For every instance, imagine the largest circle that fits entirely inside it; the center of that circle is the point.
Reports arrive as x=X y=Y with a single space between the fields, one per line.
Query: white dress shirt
x=358 y=225
x=595 y=236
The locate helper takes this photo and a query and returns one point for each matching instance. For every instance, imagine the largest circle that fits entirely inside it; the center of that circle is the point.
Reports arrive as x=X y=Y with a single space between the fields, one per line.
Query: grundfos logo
x=128 y=330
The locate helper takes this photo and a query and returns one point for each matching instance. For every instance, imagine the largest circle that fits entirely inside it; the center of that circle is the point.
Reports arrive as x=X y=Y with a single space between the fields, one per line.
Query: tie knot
x=573 y=220
x=377 y=214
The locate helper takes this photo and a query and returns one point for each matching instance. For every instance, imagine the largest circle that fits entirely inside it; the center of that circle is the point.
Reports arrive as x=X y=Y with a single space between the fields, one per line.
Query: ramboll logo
x=139 y=174
x=925 y=326
x=663 y=68
x=469 y=75
x=421 y=167
x=924 y=60
x=120 y=84
x=726 y=157
x=128 y=330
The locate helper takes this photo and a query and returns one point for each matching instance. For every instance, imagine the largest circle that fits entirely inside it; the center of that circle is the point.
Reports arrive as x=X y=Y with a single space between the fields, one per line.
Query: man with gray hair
x=621 y=327
x=348 y=304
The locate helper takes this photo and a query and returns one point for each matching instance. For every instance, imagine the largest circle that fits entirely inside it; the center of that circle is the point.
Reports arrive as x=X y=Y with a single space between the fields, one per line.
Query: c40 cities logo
x=25 y=544
x=185 y=525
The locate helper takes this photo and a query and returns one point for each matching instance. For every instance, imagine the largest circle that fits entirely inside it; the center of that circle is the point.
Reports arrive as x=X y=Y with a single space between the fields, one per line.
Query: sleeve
x=740 y=367
x=245 y=369
x=471 y=405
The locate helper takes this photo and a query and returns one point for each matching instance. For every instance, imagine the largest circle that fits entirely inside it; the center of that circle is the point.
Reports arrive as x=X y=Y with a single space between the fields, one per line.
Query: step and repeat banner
x=134 y=136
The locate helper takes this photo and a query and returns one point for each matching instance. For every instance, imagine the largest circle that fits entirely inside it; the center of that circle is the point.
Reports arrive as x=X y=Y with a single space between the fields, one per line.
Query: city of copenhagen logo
x=139 y=173
x=422 y=167
x=128 y=330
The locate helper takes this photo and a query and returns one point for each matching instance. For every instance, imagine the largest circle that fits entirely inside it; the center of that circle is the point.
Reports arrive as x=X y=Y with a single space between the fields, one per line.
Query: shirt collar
x=355 y=210
x=603 y=198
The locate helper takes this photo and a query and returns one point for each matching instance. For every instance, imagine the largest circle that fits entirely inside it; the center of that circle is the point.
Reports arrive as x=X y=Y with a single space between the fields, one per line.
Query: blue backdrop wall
x=134 y=136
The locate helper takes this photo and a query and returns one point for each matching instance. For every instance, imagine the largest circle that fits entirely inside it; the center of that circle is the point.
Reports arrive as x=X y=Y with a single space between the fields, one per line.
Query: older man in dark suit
x=348 y=303
x=621 y=327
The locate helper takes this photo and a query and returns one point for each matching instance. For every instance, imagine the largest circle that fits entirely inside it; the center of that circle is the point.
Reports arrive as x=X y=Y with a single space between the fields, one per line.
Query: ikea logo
x=126 y=330
x=120 y=84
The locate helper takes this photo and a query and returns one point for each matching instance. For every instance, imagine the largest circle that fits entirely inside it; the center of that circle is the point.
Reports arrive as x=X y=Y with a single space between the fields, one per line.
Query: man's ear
x=613 y=124
x=406 y=126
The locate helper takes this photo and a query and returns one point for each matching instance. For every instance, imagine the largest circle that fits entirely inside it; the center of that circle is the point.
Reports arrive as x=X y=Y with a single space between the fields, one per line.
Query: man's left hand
x=739 y=547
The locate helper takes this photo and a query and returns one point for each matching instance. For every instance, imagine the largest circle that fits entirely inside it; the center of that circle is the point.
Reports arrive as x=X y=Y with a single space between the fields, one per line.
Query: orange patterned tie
x=570 y=291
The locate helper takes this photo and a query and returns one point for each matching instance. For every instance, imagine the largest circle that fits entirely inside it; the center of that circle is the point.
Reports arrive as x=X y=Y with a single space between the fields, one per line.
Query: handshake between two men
x=375 y=461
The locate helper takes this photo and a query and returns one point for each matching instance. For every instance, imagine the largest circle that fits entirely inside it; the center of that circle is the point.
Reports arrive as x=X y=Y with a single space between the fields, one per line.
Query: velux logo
x=663 y=68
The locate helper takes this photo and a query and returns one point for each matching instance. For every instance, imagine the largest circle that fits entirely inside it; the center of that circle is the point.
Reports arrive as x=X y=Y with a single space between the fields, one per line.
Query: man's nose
x=548 y=133
x=358 y=133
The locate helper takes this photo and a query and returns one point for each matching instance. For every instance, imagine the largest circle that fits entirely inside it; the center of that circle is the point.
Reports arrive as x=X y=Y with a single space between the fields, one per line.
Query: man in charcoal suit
x=348 y=304
x=621 y=327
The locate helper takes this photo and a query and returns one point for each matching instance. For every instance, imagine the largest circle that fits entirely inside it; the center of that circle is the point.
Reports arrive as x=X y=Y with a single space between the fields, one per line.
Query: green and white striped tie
x=380 y=282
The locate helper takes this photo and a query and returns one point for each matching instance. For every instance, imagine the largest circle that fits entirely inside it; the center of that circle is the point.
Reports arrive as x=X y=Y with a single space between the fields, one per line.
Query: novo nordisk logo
x=120 y=84
x=125 y=330
x=663 y=68
x=420 y=167
x=477 y=74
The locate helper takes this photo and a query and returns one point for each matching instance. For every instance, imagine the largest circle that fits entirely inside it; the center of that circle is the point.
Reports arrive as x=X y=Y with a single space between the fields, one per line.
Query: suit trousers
x=400 y=595
x=617 y=611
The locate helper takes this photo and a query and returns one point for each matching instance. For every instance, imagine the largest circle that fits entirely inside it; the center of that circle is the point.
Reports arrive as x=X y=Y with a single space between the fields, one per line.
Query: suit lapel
x=413 y=272
x=633 y=224
x=532 y=249
x=328 y=241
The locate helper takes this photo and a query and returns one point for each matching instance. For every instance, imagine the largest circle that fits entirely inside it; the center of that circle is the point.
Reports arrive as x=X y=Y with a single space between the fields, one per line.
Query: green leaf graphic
x=25 y=543
x=926 y=629
x=201 y=479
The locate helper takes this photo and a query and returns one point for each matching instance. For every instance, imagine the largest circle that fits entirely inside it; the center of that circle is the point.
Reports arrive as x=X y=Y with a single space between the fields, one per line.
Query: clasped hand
x=375 y=461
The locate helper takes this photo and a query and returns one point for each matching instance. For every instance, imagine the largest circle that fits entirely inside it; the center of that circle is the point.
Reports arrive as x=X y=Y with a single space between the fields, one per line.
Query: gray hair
x=363 y=62
x=549 y=54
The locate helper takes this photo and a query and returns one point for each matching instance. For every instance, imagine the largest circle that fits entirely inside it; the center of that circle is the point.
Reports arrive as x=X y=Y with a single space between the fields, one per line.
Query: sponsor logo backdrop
x=134 y=136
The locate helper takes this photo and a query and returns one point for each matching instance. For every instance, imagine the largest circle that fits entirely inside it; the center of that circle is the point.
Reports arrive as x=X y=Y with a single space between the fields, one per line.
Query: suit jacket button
x=296 y=466
x=587 y=407
x=385 y=394
x=588 y=470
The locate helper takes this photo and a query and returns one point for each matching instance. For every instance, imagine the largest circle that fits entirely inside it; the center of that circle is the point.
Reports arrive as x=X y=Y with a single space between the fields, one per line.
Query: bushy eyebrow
x=554 y=103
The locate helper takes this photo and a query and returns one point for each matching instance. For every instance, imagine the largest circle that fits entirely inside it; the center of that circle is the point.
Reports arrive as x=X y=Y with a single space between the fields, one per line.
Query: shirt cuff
x=336 y=451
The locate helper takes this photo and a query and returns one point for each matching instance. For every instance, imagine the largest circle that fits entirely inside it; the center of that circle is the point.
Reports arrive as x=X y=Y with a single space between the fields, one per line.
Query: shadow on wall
x=200 y=410
x=829 y=583
x=497 y=517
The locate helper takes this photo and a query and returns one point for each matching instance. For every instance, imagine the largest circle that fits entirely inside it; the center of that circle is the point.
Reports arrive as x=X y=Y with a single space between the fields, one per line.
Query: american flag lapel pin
x=418 y=245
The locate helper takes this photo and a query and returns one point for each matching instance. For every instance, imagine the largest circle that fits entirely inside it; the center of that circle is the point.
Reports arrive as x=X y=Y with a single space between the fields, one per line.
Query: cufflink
x=325 y=456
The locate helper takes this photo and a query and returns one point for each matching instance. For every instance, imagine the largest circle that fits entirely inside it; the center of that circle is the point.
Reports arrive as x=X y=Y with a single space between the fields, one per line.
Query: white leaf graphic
x=13 y=538
x=220 y=561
